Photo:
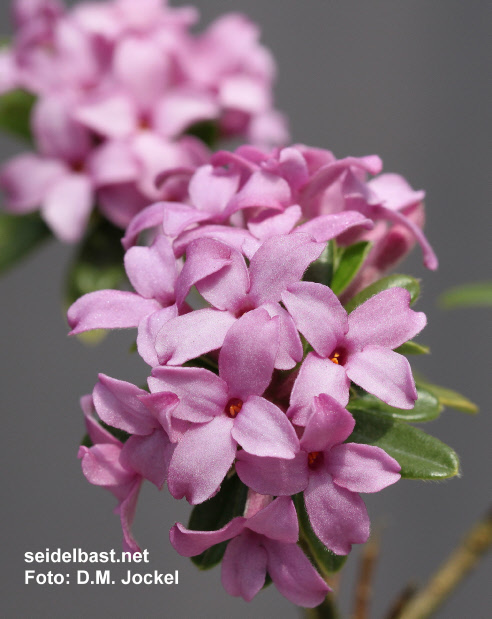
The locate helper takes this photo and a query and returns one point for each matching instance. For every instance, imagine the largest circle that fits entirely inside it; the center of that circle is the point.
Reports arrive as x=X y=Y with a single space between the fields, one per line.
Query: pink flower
x=59 y=179
x=330 y=472
x=226 y=410
x=101 y=466
x=264 y=540
x=152 y=271
x=355 y=347
x=128 y=79
x=302 y=181
x=233 y=289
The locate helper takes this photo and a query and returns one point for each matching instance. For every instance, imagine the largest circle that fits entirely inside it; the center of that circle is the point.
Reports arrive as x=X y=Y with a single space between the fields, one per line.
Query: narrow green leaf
x=350 y=261
x=207 y=131
x=321 y=271
x=215 y=513
x=19 y=235
x=327 y=562
x=205 y=361
x=449 y=398
x=86 y=441
x=15 y=113
x=420 y=455
x=477 y=294
x=392 y=281
x=427 y=407
x=412 y=348
x=98 y=264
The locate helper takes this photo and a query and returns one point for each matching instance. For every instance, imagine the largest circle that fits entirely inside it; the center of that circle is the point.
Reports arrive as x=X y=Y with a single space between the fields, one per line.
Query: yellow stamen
x=334 y=358
x=233 y=407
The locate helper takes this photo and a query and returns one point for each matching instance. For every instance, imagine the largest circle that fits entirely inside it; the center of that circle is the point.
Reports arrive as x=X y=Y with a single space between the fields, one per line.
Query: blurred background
x=407 y=80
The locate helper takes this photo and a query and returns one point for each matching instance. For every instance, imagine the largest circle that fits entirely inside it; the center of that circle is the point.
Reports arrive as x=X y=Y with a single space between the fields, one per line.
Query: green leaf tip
x=392 y=281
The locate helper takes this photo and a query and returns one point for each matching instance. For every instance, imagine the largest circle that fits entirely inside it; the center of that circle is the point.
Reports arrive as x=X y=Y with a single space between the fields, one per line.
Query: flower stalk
x=459 y=564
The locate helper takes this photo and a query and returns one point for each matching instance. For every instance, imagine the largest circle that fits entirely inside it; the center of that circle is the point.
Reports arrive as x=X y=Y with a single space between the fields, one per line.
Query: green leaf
x=477 y=294
x=427 y=407
x=412 y=348
x=86 y=441
x=449 y=398
x=392 y=281
x=420 y=455
x=19 y=235
x=15 y=113
x=321 y=270
x=215 y=513
x=207 y=131
x=327 y=561
x=205 y=361
x=98 y=264
x=350 y=261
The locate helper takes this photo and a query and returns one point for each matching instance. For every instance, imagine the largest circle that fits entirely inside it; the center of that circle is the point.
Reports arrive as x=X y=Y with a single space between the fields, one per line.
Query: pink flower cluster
x=118 y=84
x=251 y=363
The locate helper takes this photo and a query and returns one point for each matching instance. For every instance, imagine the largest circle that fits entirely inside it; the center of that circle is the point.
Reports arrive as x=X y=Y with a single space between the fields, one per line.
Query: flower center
x=233 y=407
x=338 y=356
x=314 y=458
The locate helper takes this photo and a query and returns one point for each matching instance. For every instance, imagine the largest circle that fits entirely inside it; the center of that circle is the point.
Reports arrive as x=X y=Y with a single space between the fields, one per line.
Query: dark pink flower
x=263 y=541
x=358 y=346
x=226 y=410
x=330 y=472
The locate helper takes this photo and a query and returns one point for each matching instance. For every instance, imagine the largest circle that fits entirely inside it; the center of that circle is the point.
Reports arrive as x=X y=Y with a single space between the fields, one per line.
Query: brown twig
x=363 y=592
x=452 y=572
x=402 y=601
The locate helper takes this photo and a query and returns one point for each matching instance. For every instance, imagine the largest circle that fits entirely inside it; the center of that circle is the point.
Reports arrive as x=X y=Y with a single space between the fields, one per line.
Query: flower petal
x=271 y=223
x=329 y=424
x=211 y=189
x=262 y=429
x=148 y=329
x=385 y=374
x=317 y=376
x=318 y=314
x=275 y=476
x=109 y=309
x=362 y=468
x=326 y=227
x=280 y=262
x=338 y=517
x=290 y=350
x=246 y=363
x=149 y=456
x=202 y=394
x=240 y=239
x=101 y=466
x=262 y=190
x=67 y=206
x=117 y=404
x=126 y=510
x=26 y=179
x=384 y=320
x=244 y=566
x=226 y=288
x=152 y=270
x=190 y=543
x=204 y=257
x=278 y=521
x=201 y=460
x=113 y=117
x=294 y=575
x=191 y=335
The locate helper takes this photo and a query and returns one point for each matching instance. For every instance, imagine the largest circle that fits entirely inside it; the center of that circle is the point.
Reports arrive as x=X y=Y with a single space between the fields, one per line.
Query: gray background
x=406 y=80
